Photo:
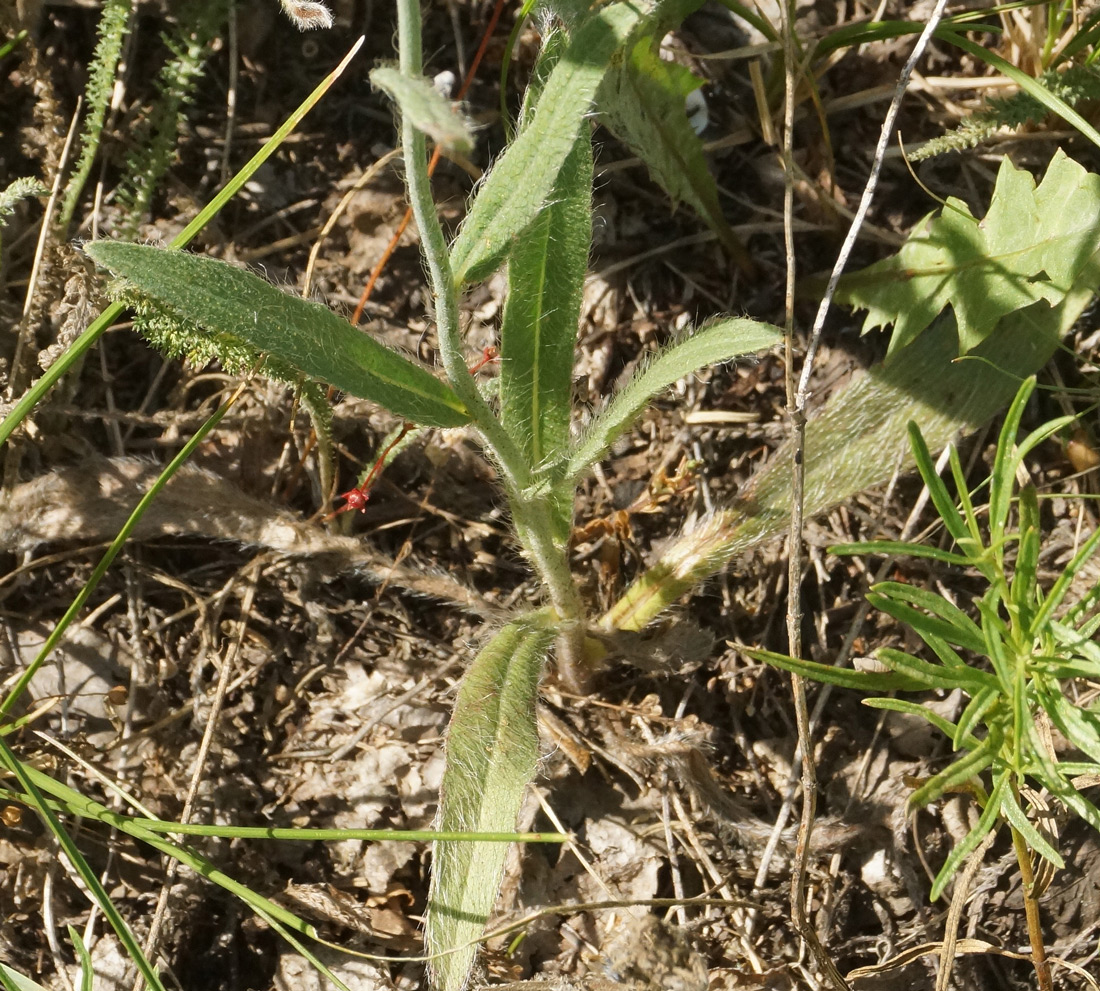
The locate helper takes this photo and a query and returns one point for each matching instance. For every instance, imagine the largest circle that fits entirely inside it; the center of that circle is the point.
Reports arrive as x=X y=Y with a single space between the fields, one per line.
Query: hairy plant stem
x=531 y=509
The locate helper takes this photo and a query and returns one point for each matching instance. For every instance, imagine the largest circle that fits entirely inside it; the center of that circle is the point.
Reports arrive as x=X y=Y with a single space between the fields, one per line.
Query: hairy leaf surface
x=712 y=344
x=642 y=102
x=218 y=297
x=523 y=178
x=492 y=750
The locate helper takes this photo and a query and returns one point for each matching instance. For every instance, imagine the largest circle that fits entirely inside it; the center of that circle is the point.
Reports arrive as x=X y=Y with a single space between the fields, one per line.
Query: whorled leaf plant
x=1012 y=662
x=533 y=213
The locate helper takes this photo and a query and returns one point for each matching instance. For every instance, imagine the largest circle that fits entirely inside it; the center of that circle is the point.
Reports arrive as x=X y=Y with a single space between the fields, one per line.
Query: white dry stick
x=797 y=413
x=868 y=195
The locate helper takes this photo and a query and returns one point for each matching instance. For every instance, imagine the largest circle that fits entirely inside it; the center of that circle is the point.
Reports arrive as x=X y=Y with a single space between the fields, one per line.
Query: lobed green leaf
x=1031 y=246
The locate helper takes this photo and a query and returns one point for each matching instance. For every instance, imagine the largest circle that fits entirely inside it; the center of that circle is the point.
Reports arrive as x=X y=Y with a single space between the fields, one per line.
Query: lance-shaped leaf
x=222 y=299
x=517 y=189
x=492 y=749
x=539 y=331
x=1032 y=245
x=642 y=103
x=716 y=343
x=426 y=107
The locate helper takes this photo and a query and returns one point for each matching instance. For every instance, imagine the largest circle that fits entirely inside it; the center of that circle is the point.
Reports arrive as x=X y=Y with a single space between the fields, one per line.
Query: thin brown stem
x=1031 y=911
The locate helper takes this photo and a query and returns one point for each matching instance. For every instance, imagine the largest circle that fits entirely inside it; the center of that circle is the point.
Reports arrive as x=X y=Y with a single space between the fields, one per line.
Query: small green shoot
x=1011 y=662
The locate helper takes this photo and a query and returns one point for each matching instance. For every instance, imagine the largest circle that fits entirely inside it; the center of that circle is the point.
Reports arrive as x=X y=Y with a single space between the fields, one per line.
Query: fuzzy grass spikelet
x=1075 y=85
x=199 y=23
x=113 y=22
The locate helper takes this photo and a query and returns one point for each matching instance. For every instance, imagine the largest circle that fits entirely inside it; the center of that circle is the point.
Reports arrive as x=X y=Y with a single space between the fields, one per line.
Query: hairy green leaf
x=1031 y=246
x=859 y=440
x=426 y=107
x=539 y=330
x=641 y=101
x=308 y=337
x=492 y=750
x=518 y=186
x=710 y=345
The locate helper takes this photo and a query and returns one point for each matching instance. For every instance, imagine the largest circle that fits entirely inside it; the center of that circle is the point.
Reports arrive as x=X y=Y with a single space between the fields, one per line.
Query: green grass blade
x=492 y=751
x=87 y=971
x=109 y=555
x=96 y=892
x=522 y=180
x=70 y=800
x=11 y=980
x=307 y=336
x=34 y=395
x=539 y=330
x=710 y=345
x=860 y=681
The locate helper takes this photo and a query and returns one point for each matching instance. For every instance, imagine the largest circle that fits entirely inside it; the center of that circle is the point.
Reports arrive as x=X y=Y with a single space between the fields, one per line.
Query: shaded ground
x=344 y=654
